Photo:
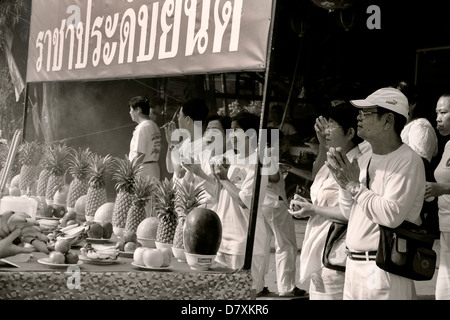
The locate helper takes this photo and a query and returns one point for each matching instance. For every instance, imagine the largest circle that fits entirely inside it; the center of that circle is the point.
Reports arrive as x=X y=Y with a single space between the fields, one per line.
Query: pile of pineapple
x=43 y=173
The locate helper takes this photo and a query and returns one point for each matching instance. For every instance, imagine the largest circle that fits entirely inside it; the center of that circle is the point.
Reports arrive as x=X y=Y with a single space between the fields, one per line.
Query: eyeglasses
x=363 y=114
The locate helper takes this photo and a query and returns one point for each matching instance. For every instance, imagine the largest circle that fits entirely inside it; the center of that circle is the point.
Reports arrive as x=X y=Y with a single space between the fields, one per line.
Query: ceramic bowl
x=148 y=243
x=199 y=261
x=160 y=245
x=179 y=254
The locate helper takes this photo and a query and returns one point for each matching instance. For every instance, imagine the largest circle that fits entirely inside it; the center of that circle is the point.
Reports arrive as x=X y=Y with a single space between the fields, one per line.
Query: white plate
x=99 y=261
x=98 y=241
x=126 y=254
x=44 y=261
x=150 y=268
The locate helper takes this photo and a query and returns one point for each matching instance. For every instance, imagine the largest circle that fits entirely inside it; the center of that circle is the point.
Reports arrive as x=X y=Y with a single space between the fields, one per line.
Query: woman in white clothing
x=339 y=131
x=235 y=183
x=441 y=190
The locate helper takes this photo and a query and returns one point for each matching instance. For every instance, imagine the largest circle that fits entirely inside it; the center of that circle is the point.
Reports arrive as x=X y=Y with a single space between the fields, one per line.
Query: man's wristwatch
x=353 y=187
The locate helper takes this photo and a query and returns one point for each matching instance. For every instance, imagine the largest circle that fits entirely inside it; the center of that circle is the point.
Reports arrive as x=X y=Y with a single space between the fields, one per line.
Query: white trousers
x=279 y=225
x=365 y=281
x=443 y=276
x=327 y=284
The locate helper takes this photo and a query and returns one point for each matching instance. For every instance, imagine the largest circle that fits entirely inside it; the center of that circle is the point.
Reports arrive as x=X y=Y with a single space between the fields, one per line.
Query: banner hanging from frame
x=110 y=39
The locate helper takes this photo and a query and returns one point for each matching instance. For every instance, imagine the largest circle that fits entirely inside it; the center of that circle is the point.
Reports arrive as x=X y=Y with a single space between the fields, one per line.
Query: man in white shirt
x=146 y=138
x=385 y=188
x=191 y=119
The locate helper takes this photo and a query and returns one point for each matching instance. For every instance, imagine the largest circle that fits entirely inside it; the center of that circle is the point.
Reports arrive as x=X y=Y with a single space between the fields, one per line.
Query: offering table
x=121 y=281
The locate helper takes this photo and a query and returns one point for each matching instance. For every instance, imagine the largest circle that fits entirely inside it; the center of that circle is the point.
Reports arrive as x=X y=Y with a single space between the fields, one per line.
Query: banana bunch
x=100 y=253
x=31 y=233
x=75 y=233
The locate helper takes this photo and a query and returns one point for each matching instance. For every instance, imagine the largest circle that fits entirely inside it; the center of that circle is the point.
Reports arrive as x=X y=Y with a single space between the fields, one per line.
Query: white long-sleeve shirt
x=397 y=187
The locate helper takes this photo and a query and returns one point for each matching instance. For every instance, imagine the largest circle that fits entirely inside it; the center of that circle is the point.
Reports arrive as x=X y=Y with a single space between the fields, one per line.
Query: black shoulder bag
x=406 y=250
x=334 y=253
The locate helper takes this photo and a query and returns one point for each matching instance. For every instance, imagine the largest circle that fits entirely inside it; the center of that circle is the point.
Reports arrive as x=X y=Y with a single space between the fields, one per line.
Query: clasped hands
x=345 y=173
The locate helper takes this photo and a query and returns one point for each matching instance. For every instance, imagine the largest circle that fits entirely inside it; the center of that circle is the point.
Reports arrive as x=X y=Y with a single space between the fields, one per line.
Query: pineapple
x=78 y=165
x=165 y=210
x=96 y=194
x=29 y=155
x=57 y=162
x=124 y=174
x=187 y=197
x=44 y=174
x=143 y=188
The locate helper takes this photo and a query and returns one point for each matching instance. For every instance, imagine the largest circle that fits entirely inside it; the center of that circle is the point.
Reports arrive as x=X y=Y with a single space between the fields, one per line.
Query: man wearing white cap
x=386 y=187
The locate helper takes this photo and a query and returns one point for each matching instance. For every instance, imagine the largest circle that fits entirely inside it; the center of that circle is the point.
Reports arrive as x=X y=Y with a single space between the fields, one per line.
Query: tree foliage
x=11 y=16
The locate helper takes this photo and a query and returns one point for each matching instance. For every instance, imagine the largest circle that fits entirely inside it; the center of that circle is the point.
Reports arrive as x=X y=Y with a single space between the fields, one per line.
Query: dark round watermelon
x=202 y=232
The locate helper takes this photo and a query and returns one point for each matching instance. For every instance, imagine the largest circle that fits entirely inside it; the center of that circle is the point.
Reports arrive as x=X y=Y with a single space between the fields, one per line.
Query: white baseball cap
x=388 y=98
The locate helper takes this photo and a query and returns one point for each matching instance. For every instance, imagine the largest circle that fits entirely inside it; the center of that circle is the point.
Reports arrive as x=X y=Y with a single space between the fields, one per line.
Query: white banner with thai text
x=110 y=39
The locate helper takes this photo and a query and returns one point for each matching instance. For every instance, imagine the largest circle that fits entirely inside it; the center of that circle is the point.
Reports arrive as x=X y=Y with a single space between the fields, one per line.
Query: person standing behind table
x=279 y=225
x=386 y=187
x=338 y=132
x=215 y=147
x=146 y=138
x=441 y=189
x=191 y=119
x=235 y=194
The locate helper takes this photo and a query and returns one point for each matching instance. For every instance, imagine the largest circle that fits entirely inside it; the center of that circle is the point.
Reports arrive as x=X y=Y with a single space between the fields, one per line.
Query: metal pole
x=263 y=124
x=25 y=112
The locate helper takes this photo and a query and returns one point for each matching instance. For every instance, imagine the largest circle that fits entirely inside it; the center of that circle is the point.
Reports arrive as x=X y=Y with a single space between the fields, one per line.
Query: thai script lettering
x=144 y=31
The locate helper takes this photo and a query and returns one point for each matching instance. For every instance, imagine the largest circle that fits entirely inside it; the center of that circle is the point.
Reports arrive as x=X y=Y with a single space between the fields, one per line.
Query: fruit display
x=104 y=213
x=100 y=252
x=202 y=232
x=62 y=253
x=124 y=173
x=96 y=195
x=154 y=258
x=97 y=230
x=78 y=163
x=44 y=173
x=60 y=196
x=76 y=234
x=129 y=242
x=187 y=197
x=143 y=188
x=80 y=208
x=29 y=155
x=31 y=232
x=165 y=210
x=57 y=157
x=147 y=228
